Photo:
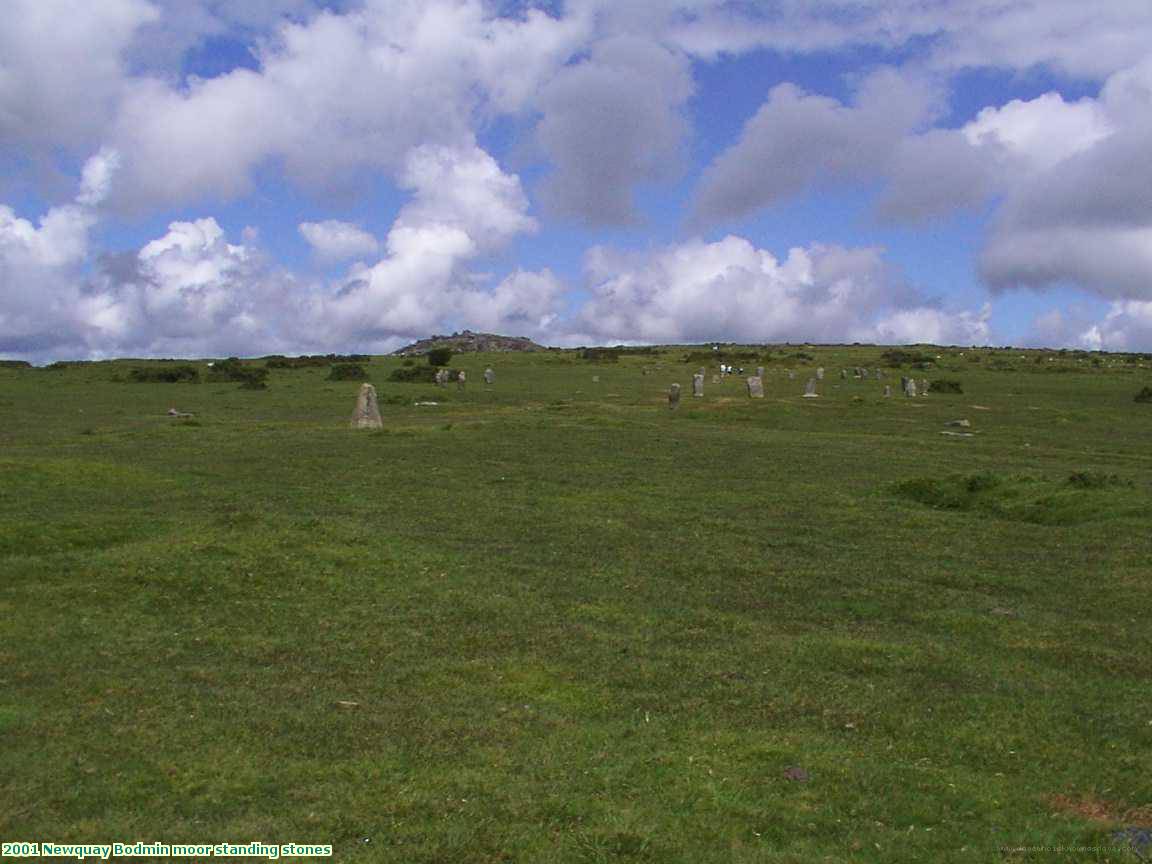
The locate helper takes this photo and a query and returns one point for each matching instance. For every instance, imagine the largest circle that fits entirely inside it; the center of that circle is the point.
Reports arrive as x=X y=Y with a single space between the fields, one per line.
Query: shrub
x=249 y=377
x=1145 y=395
x=164 y=375
x=900 y=357
x=15 y=364
x=347 y=372
x=600 y=355
x=278 y=361
x=945 y=385
x=439 y=356
x=413 y=375
x=1095 y=480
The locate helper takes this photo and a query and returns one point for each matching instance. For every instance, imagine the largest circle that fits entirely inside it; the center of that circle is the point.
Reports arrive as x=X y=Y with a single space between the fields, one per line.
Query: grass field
x=552 y=620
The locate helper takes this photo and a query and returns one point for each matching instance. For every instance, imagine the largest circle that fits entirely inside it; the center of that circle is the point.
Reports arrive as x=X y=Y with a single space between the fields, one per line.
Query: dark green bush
x=413 y=375
x=901 y=357
x=439 y=356
x=945 y=385
x=15 y=364
x=1145 y=395
x=278 y=361
x=164 y=375
x=232 y=369
x=347 y=372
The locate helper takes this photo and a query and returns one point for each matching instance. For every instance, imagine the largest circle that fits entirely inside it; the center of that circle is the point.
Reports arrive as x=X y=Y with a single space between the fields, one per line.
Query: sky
x=204 y=178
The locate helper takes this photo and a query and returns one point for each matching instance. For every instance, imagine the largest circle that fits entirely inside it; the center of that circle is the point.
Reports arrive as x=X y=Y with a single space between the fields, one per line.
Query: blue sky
x=200 y=178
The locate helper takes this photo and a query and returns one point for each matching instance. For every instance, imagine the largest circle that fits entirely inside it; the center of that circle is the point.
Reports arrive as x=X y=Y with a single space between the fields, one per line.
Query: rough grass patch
x=164 y=375
x=1083 y=497
x=347 y=372
x=1145 y=395
x=945 y=385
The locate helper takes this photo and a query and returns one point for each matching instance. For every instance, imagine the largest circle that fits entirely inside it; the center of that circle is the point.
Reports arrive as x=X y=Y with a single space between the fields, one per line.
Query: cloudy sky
x=206 y=177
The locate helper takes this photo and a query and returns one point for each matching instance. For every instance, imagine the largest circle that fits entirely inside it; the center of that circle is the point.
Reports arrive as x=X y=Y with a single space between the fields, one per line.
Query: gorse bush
x=232 y=369
x=945 y=385
x=902 y=357
x=347 y=372
x=164 y=375
x=439 y=356
x=413 y=375
x=278 y=361
x=1145 y=395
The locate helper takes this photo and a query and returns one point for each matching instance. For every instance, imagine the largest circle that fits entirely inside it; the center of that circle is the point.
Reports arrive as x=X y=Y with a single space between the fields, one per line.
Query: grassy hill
x=551 y=620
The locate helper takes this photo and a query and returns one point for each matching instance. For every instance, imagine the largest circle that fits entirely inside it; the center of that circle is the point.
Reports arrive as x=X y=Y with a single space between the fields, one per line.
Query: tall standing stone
x=923 y=386
x=673 y=397
x=461 y=379
x=887 y=391
x=819 y=373
x=489 y=376
x=698 y=384
x=810 y=389
x=910 y=388
x=367 y=413
x=756 y=387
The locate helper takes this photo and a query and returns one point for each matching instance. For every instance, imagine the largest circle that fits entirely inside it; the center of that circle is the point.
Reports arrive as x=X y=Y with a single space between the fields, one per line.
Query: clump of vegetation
x=945 y=385
x=1145 y=395
x=164 y=374
x=894 y=357
x=1096 y=480
x=15 y=364
x=413 y=375
x=232 y=369
x=600 y=355
x=347 y=372
x=707 y=357
x=279 y=361
x=1083 y=497
x=439 y=356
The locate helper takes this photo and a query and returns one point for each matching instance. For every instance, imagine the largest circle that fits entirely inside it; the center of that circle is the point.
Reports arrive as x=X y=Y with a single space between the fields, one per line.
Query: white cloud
x=332 y=240
x=732 y=290
x=611 y=122
x=796 y=140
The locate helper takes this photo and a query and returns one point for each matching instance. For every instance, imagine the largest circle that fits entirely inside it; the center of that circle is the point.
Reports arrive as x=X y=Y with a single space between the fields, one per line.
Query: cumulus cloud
x=731 y=289
x=62 y=69
x=332 y=240
x=1085 y=219
x=335 y=95
x=797 y=139
x=609 y=123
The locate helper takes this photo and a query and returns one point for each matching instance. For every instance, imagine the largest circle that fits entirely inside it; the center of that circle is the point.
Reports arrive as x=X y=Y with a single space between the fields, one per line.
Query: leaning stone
x=367 y=414
x=756 y=387
x=673 y=396
x=698 y=384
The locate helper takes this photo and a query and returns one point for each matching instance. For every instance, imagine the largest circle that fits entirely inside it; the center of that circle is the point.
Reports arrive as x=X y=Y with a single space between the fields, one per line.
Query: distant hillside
x=466 y=341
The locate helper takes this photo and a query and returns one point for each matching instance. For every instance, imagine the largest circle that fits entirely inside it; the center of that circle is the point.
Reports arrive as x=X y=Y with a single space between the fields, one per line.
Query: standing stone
x=715 y=379
x=441 y=377
x=923 y=386
x=461 y=379
x=755 y=387
x=910 y=388
x=887 y=391
x=843 y=374
x=489 y=376
x=595 y=379
x=760 y=372
x=367 y=414
x=673 y=397
x=791 y=374
x=879 y=374
x=810 y=389
x=698 y=384
x=819 y=373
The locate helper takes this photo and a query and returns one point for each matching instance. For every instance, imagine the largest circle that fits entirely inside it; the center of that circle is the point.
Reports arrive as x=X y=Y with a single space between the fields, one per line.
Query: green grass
x=551 y=620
